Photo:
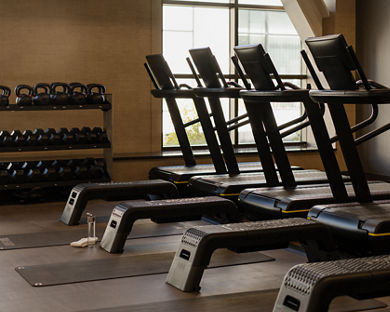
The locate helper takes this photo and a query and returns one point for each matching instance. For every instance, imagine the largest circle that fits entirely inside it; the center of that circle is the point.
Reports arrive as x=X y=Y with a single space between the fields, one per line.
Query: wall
x=101 y=41
x=373 y=44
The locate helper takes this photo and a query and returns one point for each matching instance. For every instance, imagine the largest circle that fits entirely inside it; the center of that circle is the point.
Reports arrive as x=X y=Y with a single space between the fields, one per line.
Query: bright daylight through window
x=222 y=24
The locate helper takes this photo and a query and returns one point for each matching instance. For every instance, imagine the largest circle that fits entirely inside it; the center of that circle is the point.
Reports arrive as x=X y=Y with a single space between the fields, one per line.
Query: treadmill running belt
x=253 y=301
x=122 y=266
x=69 y=234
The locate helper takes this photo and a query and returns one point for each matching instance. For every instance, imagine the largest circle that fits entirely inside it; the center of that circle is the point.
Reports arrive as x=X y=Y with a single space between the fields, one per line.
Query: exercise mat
x=122 y=266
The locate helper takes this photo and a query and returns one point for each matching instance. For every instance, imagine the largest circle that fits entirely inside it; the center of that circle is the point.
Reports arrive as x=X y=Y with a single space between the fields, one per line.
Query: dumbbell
x=49 y=174
x=90 y=136
x=17 y=138
x=15 y=165
x=43 y=164
x=42 y=137
x=79 y=137
x=67 y=138
x=101 y=134
x=96 y=172
x=81 y=173
x=3 y=165
x=17 y=176
x=34 y=175
x=27 y=165
x=96 y=93
x=4 y=97
x=5 y=138
x=30 y=138
x=41 y=92
x=59 y=98
x=24 y=99
x=77 y=93
x=54 y=137
x=64 y=173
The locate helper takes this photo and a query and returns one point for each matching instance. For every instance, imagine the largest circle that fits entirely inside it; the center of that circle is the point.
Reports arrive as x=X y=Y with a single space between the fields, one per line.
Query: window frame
x=234 y=6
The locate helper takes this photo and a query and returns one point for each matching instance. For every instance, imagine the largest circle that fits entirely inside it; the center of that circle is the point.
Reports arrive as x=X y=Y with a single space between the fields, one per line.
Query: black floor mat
x=122 y=266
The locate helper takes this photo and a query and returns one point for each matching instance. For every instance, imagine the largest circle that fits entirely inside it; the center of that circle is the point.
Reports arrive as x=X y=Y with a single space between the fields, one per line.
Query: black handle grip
x=6 y=91
x=100 y=87
x=21 y=87
x=42 y=86
x=55 y=85
x=77 y=85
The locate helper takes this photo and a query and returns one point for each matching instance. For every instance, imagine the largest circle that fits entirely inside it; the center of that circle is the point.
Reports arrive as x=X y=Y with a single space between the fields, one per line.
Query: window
x=222 y=24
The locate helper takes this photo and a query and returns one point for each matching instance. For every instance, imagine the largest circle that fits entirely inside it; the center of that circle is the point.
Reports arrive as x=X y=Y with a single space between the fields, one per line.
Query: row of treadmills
x=341 y=221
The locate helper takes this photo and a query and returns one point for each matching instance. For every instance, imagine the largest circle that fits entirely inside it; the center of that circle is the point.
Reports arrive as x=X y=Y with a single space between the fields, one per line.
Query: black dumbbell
x=3 y=165
x=24 y=99
x=64 y=173
x=43 y=164
x=34 y=175
x=17 y=138
x=90 y=136
x=49 y=174
x=30 y=138
x=41 y=94
x=4 y=97
x=77 y=93
x=5 y=138
x=42 y=137
x=81 y=173
x=66 y=137
x=15 y=165
x=101 y=135
x=70 y=163
x=18 y=176
x=27 y=165
x=96 y=172
x=96 y=93
x=98 y=162
x=59 y=98
x=4 y=176
x=54 y=137
x=79 y=137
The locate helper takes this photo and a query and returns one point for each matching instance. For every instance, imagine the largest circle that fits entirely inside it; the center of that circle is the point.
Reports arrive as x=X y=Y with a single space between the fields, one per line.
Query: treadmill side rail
x=310 y=287
x=198 y=244
x=125 y=214
x=82 y=193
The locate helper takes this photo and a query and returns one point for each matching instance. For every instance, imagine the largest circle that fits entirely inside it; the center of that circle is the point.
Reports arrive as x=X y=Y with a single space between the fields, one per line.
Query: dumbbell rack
x=106 y=108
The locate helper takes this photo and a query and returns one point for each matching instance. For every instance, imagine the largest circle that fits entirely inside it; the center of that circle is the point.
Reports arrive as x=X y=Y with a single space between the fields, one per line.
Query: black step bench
x=82 y=193
x=310 y=287
x=125 y=214
x=198 y=244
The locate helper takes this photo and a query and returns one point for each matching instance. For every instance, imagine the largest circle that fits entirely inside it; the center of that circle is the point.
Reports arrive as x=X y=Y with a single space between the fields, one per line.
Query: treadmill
x=166 y=87
x=288 y=202
x=230 y=185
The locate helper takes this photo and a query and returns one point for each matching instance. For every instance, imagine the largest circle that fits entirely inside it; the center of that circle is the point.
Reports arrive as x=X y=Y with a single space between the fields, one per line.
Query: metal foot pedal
x=125 y=214
x=311 y=287
x=198 y=244
x=82 y=193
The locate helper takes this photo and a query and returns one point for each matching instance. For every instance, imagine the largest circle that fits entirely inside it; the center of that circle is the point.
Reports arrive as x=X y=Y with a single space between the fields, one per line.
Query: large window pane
x=283 y=51
x=279 y=23
x=205 y=26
